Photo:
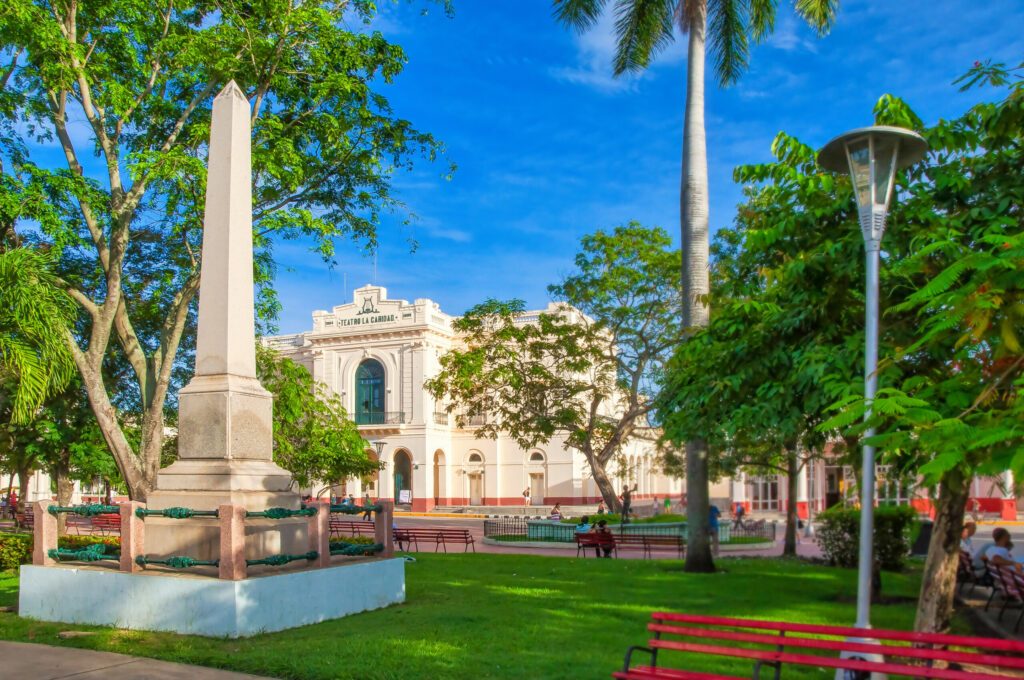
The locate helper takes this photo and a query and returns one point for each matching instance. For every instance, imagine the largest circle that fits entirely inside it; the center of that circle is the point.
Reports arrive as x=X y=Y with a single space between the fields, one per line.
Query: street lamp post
x=871 y=155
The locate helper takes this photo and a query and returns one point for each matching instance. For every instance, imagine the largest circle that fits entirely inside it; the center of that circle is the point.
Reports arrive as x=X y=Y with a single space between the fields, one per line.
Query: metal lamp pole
x=871 y=155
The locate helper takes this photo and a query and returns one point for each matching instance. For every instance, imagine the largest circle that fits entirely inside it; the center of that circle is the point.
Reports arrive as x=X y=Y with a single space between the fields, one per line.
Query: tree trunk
x=792 y=488
x=65 y=489
x=604 y=485
x=23 y=474
x=938 y=584
x=693 y=203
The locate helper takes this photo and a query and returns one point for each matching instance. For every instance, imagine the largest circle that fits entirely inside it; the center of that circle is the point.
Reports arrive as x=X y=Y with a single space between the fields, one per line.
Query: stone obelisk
x=225 y=415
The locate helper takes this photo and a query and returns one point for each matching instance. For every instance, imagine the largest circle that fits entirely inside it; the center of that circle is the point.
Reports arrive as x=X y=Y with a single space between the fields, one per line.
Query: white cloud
x=595 y=50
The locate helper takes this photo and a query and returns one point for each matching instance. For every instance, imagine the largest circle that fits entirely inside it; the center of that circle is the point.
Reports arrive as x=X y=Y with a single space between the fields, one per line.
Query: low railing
x=473 y=421
x=380 y=418
x=231 y=563
x=753 y=530
x=441 y=418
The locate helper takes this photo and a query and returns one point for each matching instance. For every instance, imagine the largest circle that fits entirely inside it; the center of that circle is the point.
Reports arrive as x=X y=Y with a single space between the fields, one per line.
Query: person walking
x=367 y=512
x=627 y=503
x=713 y=514
x=526 y=497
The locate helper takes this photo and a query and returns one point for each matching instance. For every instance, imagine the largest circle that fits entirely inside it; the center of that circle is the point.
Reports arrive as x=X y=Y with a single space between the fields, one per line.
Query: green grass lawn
x=512 y=616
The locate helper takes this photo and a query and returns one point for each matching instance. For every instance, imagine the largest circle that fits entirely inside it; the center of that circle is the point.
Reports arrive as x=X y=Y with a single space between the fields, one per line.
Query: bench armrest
x=629 y=656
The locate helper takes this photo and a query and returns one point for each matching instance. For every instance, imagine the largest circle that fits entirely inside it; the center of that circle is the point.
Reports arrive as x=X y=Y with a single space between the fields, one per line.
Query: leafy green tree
x=34 y=358
x=314 y=439
x=953 y=405
x=586 y=370
x=137 y=80
x=643 y=29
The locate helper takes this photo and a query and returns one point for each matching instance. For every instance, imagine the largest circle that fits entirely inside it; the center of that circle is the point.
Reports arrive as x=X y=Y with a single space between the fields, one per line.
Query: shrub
x=16 y=549
x=839 y=534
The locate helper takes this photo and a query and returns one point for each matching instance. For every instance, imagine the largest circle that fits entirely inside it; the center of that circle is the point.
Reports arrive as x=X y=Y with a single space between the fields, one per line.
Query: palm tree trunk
x=694 y=237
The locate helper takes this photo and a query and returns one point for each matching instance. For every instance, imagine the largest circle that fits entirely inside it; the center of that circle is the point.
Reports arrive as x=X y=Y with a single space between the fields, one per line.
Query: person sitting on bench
x=602 y=531
x=584 y=525
x=999 y=554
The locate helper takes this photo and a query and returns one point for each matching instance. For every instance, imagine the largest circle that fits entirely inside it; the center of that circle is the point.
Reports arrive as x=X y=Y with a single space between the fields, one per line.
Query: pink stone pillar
x=232 y=542
x=133 y=536
x=383 y=527
x=45 y=534
x=319 y=528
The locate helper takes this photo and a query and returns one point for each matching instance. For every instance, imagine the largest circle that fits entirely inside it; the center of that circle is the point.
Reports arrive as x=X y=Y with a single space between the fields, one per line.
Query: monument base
x=200 y=537
x=195 y=605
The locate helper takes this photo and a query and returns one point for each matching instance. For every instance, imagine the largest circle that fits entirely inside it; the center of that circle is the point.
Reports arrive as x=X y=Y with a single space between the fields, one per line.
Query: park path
x=807 y=548
x=45 y=662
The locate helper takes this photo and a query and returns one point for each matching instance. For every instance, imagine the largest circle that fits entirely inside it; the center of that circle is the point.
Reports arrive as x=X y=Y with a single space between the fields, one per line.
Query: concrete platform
x=201 y=605
x=44 y=662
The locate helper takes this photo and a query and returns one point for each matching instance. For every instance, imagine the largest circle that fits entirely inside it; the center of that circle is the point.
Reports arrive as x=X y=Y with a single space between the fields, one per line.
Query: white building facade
x=375 y=353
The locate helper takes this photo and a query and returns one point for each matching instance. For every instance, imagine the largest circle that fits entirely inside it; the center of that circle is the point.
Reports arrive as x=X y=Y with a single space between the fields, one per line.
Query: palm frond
x=579 y=14
x=727 y=32
x=762 y=18
x=820 y=14
x=643 y=28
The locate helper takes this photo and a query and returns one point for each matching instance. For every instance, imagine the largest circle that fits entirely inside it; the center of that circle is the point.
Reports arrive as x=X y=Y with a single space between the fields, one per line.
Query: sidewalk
x=44 y=662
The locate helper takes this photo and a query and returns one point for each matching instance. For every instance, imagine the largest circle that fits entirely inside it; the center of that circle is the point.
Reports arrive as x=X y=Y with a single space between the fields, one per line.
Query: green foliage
x=615 y=518
x=313 y=437
x=586 y=368
x=35 y=361
x=137 y=80
x=839 y=535
x=16 y=549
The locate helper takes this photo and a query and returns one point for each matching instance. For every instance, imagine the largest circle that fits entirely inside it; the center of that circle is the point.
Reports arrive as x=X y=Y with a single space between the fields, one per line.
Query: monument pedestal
x=200 y=605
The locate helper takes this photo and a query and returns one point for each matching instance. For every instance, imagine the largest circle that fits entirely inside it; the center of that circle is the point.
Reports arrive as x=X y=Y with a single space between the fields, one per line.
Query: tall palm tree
x=643 y=28
x=35 y=313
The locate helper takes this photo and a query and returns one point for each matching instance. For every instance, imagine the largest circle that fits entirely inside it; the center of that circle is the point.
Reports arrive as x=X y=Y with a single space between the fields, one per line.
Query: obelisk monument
x=225 y=429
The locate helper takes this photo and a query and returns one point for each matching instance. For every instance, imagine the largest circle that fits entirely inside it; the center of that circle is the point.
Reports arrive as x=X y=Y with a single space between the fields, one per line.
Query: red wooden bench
x=776 y=644
x=25 y=520
x=441 y=538
x=598 y=542
x=107 y=524
x=1009 y=585
x=341 y=527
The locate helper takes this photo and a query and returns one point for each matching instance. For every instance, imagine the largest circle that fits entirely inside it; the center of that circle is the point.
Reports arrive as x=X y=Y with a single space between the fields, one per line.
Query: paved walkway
x=44 y=662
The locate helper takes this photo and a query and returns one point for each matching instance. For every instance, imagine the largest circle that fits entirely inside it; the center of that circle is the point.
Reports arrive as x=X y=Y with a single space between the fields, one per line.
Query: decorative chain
x=177 y=562
x=278 y=560
x=175 y=513
x=342 y=548
x=90 y=553
x=85 y=510
x=355 y=509
x=282 y=513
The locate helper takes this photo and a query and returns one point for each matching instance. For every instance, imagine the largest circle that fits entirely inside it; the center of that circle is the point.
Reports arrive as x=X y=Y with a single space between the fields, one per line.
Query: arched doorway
x=439 y=481
x=475 y=477
x=370 y=393
x=403 y=476
x=535 y=470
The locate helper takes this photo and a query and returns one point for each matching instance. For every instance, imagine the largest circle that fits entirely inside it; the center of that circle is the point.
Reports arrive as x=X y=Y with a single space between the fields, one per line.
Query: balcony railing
x=474 y=421
x=380 y=418
x=440 y=418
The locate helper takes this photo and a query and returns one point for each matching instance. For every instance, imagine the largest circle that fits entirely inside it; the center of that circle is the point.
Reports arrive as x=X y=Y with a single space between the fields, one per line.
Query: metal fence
x=517 y=529
x=753 y=530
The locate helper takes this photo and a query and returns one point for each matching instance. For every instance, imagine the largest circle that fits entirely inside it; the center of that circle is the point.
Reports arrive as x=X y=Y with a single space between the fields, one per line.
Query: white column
x=801 y=485
x=739 y=489
x=1008 y=485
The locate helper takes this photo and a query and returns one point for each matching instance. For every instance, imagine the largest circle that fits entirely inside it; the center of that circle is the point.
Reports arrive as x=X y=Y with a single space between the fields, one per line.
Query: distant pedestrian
x=367 y=512
x=668 y=504
x=738 y=514
x=713 y=514
x=600 y=508
x=627 y=503
x=657 y=506
x=526 y=497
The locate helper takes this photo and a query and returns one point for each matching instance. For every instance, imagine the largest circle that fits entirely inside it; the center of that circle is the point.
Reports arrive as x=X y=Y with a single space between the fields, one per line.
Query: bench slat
x=847 y=631
x=823 y=661
x=842 y=645
x=651 y=673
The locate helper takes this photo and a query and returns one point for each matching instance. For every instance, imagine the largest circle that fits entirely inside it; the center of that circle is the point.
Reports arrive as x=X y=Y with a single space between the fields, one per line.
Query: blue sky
x=549 y=146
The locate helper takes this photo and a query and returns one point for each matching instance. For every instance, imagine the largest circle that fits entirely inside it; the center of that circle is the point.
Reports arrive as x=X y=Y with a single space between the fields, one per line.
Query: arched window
x=536 y=457
x=476 y=458
x=370 y=393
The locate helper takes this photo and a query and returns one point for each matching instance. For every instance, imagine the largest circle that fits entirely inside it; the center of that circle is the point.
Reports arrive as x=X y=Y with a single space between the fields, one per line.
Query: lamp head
x=872 y=155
